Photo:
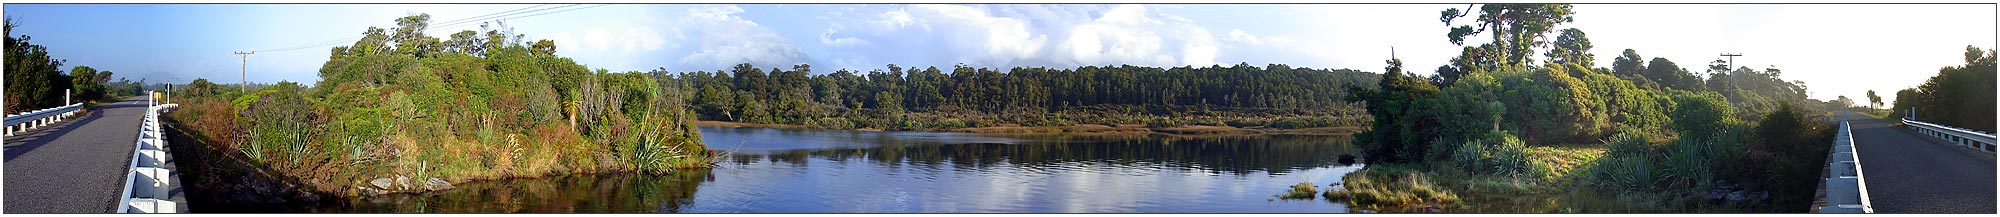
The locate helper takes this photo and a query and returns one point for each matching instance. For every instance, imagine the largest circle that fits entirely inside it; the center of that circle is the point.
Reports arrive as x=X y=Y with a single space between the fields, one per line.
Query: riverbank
x=1620 y=176
x=1087 y=129
x=234 y=167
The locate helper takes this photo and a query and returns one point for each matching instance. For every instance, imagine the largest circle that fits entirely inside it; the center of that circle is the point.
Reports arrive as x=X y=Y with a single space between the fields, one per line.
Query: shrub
x=1689 y=166
x=1698 y=115
x=1302 y=191
x=1508 y=157
x=1628 y=165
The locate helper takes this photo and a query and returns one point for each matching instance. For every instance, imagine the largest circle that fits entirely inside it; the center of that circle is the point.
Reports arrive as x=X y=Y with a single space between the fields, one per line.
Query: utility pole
x=245 y=86
x=1733 y=67
x=1732 y=59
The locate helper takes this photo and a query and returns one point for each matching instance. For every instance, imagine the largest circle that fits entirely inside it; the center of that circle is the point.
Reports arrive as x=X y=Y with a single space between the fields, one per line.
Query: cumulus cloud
x=628 y=40
x=1019 y=35
x=722 y=39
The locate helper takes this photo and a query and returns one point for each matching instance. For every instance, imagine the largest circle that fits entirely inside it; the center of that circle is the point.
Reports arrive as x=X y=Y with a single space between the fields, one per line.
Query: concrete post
x=66 y=97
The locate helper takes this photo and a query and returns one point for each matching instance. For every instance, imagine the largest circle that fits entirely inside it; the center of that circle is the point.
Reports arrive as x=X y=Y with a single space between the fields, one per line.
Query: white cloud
x=1237 y=35
x=997 y=40
x=1020 y=35
x=840 y=41
x=629 y=40
x=722 y=39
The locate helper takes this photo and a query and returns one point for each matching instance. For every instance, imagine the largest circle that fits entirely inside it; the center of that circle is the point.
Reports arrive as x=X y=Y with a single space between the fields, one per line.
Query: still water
x=828 y=171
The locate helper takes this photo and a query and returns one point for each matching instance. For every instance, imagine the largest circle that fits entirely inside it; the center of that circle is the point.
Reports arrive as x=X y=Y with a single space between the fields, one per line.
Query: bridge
x=1917 y=167
x=100 y=161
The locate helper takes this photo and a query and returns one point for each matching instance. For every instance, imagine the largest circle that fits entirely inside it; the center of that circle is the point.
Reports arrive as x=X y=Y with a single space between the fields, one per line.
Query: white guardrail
x=1846 y=188
x=146 y=180
x=1982 y=141
x=39 y=118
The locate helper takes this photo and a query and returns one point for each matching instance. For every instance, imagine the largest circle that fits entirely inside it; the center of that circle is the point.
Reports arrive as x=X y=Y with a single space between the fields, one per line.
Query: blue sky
x=1835 y=49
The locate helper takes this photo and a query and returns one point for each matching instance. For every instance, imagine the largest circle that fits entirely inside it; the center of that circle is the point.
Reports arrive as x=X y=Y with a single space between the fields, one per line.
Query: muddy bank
x=220 y=181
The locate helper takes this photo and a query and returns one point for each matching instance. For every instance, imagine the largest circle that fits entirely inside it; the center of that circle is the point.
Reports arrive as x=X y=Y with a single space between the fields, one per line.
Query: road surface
x=1910 y=173
x=77 y=166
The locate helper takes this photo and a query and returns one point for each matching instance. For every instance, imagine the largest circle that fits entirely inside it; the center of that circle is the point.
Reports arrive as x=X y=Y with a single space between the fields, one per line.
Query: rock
x=1346 y=159
x=434 y=184
x=381 y=183
x=1714 y=196
x=1725 y=185
x=365 y=191
x=403 y=183
x=1736 y=196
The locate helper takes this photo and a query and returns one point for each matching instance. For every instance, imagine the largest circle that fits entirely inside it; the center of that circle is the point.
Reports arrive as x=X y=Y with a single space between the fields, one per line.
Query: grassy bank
x=1631 y=172
x=394 y=119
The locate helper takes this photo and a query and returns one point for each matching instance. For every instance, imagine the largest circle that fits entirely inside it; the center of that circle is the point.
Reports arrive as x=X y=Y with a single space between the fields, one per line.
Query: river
x=833 y=171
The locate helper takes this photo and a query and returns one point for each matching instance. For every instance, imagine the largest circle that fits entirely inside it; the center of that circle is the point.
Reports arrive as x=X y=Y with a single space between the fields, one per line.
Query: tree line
x=1958 y=96
x=797 y=96
x=1489 y=110
x=36 y=81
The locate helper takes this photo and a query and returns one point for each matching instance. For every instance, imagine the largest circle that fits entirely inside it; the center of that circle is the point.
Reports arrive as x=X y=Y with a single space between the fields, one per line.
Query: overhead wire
x=503 y=15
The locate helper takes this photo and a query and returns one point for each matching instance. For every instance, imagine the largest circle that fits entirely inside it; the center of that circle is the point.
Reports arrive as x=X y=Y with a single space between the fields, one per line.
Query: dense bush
x=1958 y=96
x=1506 y=157
x=1627 y=164
x=1699 y=115
x=445 y=112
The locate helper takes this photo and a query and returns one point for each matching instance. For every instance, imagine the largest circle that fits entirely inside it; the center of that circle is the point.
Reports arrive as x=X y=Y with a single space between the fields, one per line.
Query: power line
x=491 y=14
x=592 y=6
x=504 y=16
x=443 y=25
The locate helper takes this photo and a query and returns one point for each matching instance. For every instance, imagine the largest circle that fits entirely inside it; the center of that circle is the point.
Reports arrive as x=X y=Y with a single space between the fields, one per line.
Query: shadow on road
x=24 y=142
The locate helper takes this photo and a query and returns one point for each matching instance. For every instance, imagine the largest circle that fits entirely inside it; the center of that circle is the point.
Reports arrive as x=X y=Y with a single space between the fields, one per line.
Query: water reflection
x=1234 y=155
x=591 y=193
x=806 y=171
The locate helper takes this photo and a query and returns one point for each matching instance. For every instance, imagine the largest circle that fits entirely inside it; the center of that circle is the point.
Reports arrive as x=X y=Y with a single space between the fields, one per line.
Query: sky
x=1837 y=49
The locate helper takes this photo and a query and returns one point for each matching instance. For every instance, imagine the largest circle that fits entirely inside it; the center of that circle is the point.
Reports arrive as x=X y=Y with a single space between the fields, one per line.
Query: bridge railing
x=1982 y=141
x=39 y=118
x=146 y=178
x=1846 y=188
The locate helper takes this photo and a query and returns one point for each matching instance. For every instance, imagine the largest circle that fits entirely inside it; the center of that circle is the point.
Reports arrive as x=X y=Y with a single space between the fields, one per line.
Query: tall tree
x=1874 y=100
x=543 y=47
x=1629 y=64
x=1517 y=28
x=1572 y=47
x=1671 y=75
x=34 y=80
x=1959 y=96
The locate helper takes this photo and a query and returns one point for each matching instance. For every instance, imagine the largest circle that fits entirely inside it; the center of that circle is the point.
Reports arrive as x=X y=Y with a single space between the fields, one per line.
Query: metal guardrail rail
x=147 y=179
x=39 y=118
x=1845 y=187
x=1982 y=141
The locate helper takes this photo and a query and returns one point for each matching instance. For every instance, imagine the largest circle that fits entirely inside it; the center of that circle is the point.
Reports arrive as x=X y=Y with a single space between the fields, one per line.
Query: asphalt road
x=1911 y=173
x=75 y=167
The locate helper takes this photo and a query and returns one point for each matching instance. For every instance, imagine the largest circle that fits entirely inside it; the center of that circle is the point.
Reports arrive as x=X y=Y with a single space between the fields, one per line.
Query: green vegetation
x=1502 y=133
x=1391 y=187
x=1276 y=96
x=1302 y=191
x=36 y=81
x=400 y=103
x=1959 y=96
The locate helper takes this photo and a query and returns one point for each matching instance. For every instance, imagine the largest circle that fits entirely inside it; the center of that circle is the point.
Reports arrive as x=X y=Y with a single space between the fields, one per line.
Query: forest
x=1494 y=123
x=1275 y=96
